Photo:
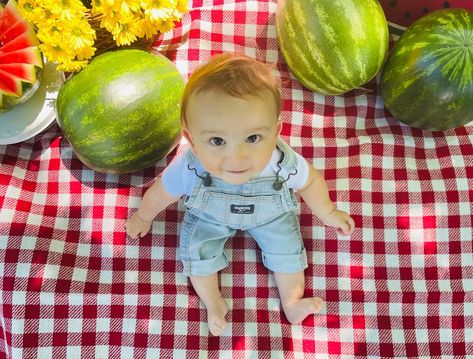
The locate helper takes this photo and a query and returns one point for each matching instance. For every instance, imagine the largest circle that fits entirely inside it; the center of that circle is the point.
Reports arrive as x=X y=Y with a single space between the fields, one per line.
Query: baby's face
x=233 y=138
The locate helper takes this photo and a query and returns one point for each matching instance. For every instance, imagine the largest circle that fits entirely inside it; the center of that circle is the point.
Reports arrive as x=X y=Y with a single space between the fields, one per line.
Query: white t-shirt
x=178 y=180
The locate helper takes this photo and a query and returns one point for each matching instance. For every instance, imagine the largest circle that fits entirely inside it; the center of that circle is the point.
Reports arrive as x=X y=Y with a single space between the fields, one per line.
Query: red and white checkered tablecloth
x=74 y=286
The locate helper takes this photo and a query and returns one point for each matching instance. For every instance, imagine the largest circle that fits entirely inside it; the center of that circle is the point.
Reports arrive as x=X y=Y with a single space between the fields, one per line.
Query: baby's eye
x=217 y=141
x=253 y=138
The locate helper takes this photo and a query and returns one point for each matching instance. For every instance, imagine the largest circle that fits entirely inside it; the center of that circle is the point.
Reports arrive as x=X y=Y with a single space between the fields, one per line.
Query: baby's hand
x=341 y=221
x=136 y=227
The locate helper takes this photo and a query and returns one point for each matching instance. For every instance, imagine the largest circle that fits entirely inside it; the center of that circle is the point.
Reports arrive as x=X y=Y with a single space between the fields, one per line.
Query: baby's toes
x=317 y=304
x=216 y=327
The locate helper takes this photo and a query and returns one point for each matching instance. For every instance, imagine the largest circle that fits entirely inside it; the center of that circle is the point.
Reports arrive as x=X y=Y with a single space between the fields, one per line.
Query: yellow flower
x=181 y=6
x=159 y=13
x=105 y=7
x=165 y=25
x=147 y=28
x=72 y=66
x=27 y=8
x=124 y=34
x=111 y=23
x=37 y=15
x=82 y=35
x=56 y=53
x=127 y=8
x=49 y=28
x=50 y=35
x=85 y=53
x=66 y=9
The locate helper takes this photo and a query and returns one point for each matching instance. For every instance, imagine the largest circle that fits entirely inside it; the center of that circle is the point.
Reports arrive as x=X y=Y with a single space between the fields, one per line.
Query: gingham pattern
x=73 y=285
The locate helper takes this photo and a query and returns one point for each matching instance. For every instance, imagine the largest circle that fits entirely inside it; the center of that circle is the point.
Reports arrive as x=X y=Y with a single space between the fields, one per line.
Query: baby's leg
x=208 y=291
x=291 y=291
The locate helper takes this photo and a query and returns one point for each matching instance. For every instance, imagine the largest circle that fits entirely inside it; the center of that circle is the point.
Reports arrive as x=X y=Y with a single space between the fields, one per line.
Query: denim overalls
x=215 y=212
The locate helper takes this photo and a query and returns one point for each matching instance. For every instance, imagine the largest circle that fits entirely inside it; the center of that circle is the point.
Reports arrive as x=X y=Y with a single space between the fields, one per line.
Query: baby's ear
x=278 y=128
x=187 y=136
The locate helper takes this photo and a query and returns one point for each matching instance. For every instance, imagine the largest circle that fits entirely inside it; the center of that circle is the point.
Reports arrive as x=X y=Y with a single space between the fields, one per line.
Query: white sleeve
x=299 y=180
x=173 y=176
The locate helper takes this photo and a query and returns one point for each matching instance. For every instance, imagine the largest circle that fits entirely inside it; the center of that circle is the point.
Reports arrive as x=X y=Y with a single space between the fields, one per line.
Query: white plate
x=36 y=114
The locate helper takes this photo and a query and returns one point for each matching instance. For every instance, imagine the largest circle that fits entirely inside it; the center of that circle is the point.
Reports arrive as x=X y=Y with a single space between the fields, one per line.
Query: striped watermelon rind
x=427 y=81
x=121 y=112
x=332 y=46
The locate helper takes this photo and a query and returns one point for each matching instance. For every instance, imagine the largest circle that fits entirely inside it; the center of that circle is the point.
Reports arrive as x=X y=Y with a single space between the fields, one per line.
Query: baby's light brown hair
x=233 y=74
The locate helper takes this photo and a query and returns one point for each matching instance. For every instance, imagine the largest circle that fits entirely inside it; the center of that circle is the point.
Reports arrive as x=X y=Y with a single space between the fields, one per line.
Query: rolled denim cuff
x=286 y=263
x=204 y=267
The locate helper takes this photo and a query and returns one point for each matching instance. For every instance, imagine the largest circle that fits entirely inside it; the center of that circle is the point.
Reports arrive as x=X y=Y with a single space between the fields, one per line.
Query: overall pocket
x=242 y=211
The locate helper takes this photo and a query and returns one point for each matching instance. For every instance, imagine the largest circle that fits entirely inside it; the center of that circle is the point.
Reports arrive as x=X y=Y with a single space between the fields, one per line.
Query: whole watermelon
x=332 y=46
x=121 y=112
x=427 y=81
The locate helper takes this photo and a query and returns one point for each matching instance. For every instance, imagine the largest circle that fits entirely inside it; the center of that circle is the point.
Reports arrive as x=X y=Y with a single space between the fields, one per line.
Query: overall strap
x=194 y=165
x=190 y=157
x=289 y=160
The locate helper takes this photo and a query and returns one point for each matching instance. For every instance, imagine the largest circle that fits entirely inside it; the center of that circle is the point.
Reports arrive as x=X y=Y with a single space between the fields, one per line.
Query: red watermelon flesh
x=405 y=12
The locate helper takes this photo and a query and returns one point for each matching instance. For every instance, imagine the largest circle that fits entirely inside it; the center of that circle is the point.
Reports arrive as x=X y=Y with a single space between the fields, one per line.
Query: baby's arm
x=315 y=194
x=154 y=201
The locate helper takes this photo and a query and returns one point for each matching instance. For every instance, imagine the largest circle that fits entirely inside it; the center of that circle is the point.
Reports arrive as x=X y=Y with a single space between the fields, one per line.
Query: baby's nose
x=239 y=153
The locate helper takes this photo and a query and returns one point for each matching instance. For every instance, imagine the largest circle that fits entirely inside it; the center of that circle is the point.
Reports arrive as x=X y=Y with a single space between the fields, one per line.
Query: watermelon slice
x=11 y=84
x=20 y=42
x=14 y=31
x=9 y=16
x=405 y=12
x=24 y=72
x=20 y=58
x=27 y=55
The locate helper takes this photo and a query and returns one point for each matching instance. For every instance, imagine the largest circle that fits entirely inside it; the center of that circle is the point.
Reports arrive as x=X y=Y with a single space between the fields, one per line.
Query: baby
x=238 y=174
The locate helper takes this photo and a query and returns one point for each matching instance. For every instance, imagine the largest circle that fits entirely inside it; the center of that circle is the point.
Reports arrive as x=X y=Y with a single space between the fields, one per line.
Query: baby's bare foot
x=298 y=310
x=216 y=316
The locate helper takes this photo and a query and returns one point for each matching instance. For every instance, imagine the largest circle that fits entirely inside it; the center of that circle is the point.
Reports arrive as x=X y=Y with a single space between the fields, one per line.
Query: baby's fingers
x=132 y=232
x=343 y=230
x=351 y=225
x=346 y=227
x=144 y=232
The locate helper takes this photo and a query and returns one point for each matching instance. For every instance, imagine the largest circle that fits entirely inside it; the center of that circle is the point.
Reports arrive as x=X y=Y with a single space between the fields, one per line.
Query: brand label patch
x=242 y=209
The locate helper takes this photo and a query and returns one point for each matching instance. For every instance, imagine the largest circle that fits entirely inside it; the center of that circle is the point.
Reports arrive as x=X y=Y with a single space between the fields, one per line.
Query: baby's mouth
x=236 y=172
